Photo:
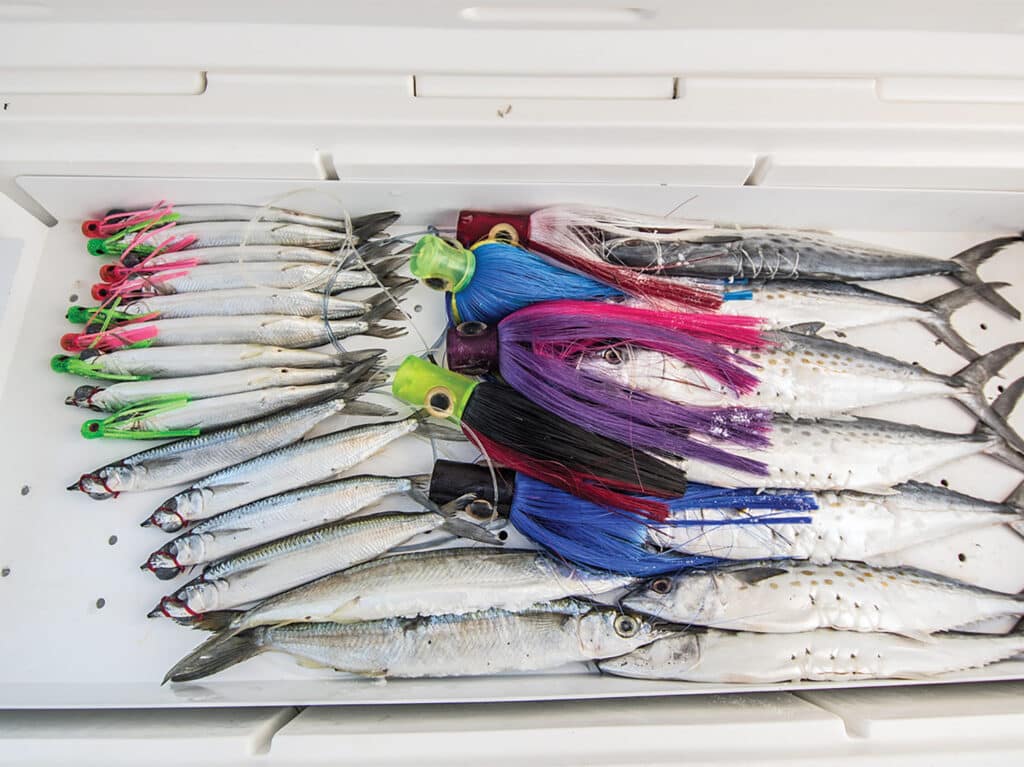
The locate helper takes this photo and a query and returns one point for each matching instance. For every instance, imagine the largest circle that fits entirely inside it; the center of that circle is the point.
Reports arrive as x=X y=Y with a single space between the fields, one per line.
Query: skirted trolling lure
x=535 y=351
x=599 y=535
x=493 y=278
x=640 y=254
x=513 y=431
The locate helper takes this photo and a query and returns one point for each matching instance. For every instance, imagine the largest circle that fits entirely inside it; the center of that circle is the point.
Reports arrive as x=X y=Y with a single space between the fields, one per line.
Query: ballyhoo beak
x=166 y=519
x=172 y=607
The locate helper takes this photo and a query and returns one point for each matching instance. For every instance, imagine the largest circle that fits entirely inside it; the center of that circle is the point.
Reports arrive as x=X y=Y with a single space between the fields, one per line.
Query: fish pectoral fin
x=919 y=636
x=251 y=355
x=377 y=675
x=752 y=575
x=220 y=488
x=339 y=615
x=805 y=328
x=307 y=663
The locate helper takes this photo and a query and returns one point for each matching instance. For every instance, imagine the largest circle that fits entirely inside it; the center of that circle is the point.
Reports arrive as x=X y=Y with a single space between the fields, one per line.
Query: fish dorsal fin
x=805 y=328
x=752 y=575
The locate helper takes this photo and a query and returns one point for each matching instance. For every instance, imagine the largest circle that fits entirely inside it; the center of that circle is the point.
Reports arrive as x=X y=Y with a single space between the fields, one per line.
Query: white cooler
x=897 y=122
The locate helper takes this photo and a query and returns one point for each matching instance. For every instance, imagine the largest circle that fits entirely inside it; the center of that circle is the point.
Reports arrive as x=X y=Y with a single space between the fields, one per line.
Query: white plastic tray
x=59 y=649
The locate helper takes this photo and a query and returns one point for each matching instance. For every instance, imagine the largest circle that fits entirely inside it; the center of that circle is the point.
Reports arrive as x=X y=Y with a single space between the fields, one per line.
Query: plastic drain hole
x=983 y=326
x=962 y=557
x=100 y=603
x=418 y=308
x=112 y=540
x=5 y=572
x=25 y=489
x=73 y=297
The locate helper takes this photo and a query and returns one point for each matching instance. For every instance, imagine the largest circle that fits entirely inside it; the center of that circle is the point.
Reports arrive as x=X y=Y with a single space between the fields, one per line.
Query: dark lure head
x=472 y=348
x=452 y=479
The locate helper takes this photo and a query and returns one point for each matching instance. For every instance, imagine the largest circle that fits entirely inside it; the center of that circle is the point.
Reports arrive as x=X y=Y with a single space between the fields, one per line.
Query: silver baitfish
x=288 y=562
x=779 y=596
x=266 y=329
x=112 y=398
x=666 y=247
x=847 y=525
x=486 y=642
x=439 y=582
x=864 y=454
x=275 y=517
x=725 y=657
x=183 y=361
x=247 y=301
x=308 y=462
x=804 y=376
x=189 y=459
x=841 y=306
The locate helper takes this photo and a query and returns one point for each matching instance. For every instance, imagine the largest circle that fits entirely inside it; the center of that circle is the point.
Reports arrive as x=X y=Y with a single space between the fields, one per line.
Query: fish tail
x=373 y=318
x=387 y=266
x=969 y=261
x=943 y=307
x=392 y=298
x=420 y=491
x=974 y=377
x=1003 y=407
x=216 y=654
x=1015 y=501
x=370 y=380
x=217 y=620
x=357 y=357
x=367 y=226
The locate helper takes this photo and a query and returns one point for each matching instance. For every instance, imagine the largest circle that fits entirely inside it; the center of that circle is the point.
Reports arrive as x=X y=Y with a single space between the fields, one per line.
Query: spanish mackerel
x=486 y=642
x=863 y=454
x=311 y=461
x=847 y=525
x=672 y=247
x=779 y=596
x=439 y=582
x=724 y=657
x=841 y=306
x=804 y=376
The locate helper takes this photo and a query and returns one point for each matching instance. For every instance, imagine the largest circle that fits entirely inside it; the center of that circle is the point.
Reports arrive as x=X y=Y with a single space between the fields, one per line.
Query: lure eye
x=612 y=356
x=626 y=626
x=472 y=328
x=481 y=509
x=436 y=283
x=504 y=233
x=439 y=402
x=661 y=586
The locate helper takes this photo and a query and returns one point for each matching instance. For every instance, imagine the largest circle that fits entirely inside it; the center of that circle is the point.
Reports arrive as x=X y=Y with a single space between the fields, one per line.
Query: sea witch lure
x=603 y=537
x=493 y=278
x=515 y=432
x=630 y=250
x=534 y=350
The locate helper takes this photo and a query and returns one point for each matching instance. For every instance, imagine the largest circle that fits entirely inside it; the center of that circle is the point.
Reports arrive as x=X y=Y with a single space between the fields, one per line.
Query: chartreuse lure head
x=442 y=265
x=62 y=363
x=124 y=424
x=441 y=392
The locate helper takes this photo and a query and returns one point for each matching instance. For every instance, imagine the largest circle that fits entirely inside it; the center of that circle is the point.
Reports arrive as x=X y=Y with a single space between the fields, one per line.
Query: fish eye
x=439 y=402
x=612 y=356
x=626 y=626
x=472 y=328
x=436 y=283
x=661 y=586
x=481 y=509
